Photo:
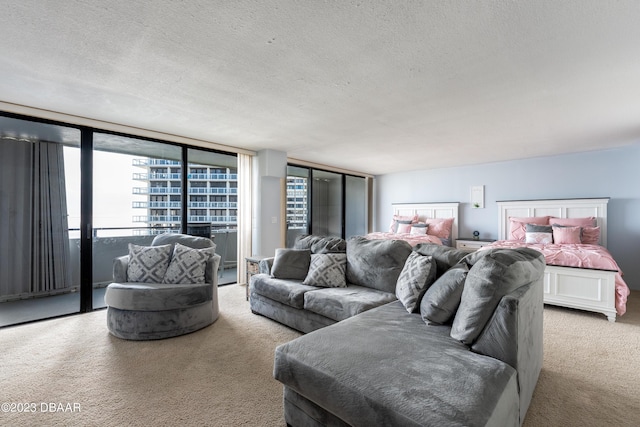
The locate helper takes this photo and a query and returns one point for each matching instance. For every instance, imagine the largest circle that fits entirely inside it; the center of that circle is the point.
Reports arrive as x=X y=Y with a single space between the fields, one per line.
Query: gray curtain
x=34 y=237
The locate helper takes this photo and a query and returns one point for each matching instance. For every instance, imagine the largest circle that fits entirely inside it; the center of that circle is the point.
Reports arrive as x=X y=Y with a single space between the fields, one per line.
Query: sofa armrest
x=265 y=265
x=514 y=335
x=120 y=265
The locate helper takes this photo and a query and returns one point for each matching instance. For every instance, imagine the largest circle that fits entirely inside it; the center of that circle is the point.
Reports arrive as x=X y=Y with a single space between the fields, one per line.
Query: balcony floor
x=28 y=310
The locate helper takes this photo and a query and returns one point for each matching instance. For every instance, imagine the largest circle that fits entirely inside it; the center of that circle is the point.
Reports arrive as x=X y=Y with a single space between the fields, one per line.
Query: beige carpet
x=222 y=375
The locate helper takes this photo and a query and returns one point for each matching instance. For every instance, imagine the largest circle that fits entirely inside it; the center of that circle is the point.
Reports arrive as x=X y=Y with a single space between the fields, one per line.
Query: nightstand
x=472 y=245
x=253 y=267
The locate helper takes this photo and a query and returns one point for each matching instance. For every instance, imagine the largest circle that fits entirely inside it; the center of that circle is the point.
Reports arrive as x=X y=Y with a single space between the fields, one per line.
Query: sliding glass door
x=212 y=206
x=356 y=201
x=325 y=203
x=74 y=197
x=39 y=220
x=137 y=187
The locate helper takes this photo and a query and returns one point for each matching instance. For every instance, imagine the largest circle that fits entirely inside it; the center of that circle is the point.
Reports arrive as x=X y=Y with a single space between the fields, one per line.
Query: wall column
x=269 y=221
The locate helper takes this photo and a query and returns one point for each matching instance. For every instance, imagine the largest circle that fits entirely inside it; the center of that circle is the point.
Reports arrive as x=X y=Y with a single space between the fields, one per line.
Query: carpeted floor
x=73 y=373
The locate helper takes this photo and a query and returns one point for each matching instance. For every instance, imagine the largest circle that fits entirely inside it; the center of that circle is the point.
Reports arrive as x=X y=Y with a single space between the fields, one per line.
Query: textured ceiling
x=371 y=86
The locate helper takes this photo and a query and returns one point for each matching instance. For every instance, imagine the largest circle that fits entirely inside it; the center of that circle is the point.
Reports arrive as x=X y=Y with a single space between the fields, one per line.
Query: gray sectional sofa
x=413 y=336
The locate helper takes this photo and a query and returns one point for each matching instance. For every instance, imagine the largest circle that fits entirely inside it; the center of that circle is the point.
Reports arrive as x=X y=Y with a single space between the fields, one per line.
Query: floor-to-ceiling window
x=325 y=203
x=39 y=239
x=213 y=205
x=136 y=195
x=356 y=201
x=73 y=197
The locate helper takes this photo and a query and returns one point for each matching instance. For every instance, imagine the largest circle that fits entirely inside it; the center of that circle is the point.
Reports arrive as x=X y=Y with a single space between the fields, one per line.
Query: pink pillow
x=517 y=225
x=440 y=227
x=396 y=218
x=573 y=222
x=591 y=235
x=566 y=235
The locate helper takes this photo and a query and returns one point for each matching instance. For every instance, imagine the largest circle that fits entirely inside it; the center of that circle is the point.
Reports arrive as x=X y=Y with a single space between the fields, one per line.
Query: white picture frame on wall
x=477 y=196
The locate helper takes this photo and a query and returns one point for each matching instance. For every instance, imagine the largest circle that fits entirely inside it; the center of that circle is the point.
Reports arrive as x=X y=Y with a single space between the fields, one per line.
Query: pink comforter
x=412 y=239
x=572 y=255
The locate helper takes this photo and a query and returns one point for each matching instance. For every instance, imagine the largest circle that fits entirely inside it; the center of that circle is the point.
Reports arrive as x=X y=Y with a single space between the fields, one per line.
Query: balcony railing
x=191 y=176
x=178 y=190
x=157 y=176
x=156 y=162
x=192 y=205
x=175 y=219
x=213 y=176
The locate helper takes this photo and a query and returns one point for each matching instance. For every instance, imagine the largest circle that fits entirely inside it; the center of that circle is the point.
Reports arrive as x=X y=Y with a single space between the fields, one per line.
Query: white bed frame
x=583 y=289
x=430 y=211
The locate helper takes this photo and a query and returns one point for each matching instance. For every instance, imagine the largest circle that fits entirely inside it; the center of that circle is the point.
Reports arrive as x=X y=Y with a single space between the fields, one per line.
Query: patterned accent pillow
x=148 y=264
x=542 y=234
x=188 y=266
x=327 y=270
x=418 y=274
x=419 y=228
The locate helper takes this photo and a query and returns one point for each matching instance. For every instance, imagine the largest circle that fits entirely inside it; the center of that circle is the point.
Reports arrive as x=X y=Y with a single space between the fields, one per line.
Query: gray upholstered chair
x=143 y=309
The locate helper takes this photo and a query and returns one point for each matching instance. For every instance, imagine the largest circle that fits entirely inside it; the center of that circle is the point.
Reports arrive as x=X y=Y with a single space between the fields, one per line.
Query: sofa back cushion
x=494 y=273
x=320 y=244
x=376 y=263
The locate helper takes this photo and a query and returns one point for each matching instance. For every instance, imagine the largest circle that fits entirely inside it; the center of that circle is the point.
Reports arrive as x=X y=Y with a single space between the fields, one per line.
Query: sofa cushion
x=286 y=291
x=156 y=296
x=445 y=256
x=341 y=303
x=148 y=264
x=187 y=265
x=328 y=270
x=386 y=367
x=194 y=242
x=291 y=263
x=417 y=275
x=494 y=273
x=321 y=244
x=442 y=299
x=376 y=263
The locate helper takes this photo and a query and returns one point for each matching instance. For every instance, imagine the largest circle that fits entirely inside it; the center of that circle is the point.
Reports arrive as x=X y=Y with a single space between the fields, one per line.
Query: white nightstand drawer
x=471 y=245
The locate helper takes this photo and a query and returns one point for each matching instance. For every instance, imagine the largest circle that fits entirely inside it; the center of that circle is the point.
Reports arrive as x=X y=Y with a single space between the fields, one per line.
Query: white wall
x=611 y=173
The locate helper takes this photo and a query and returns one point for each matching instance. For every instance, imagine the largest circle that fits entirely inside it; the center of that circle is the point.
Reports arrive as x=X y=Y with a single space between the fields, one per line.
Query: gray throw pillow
x=442 y=299
x=148 y=264
x=327 y=270
x=445 y=256
x=418 y=274
x=494 y=274
x=291 y=263
x=187 y=266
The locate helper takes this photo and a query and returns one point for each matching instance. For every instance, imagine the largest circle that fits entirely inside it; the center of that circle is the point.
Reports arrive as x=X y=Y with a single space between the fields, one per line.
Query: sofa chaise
x=464 y=349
